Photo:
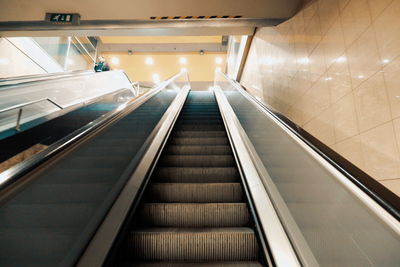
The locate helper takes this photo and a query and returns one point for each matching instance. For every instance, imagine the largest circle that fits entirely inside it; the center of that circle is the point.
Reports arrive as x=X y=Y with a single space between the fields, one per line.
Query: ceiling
x=146 y=67
x=137 y=17
x=164 y=56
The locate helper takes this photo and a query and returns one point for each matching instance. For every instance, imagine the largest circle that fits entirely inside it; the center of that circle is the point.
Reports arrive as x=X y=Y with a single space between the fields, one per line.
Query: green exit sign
x=63 y=18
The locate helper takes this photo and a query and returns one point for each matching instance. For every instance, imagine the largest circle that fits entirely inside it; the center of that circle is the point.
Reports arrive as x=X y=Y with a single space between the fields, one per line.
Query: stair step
x=197 y=175
x=189 y=121
x=199 y=141
x=193 y=244
x=195 y=192
x=191 y=264
x=197 y=161
x=198 y=150
x=209 y=127
x=199 y=134
x=194 y=215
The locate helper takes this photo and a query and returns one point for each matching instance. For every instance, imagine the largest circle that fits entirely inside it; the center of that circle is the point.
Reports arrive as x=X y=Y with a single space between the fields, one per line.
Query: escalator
x=194 y=209
x=190 y=178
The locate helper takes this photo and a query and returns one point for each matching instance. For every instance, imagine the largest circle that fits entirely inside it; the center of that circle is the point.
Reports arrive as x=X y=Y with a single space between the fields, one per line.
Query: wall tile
x=313 y=33
x=387 y=28
x=320 y=94
x=393 y=185
x=377 y=6
x=351 y=150
x=328 y=11
x=355 y=19
x=380 y=153
x=309 y=11
x=345 y=118
x=372 y=104
x=333 y=43
x=391 y=73
x=363 y=57
x=343 y=4
x=334 y=69
x=339 y=80
x=317 y=64
x=396 y=125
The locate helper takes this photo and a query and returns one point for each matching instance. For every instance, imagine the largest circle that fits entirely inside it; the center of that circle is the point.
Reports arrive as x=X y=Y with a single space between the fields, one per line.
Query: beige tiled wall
x=334 y=69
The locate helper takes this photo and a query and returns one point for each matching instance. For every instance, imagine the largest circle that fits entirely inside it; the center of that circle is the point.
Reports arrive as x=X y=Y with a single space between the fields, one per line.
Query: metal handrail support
x=21 y=106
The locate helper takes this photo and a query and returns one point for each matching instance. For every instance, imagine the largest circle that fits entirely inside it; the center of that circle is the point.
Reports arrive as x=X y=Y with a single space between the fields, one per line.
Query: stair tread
x=197 y=264
x=195 y=192
x=183 y=230
x=194 y=215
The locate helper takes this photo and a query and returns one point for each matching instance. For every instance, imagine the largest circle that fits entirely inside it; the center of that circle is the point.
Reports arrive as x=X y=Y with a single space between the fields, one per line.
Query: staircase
x=194 y=211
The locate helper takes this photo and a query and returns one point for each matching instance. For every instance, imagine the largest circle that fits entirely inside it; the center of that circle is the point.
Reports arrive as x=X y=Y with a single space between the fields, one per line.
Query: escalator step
x=194 y=215
x=199 y=141
x=198 y=134
x=198 y=150
x=197 y=264
x=210 y=127
x=193 y=244
x=197 y=161
x=195 y=192
x=188 y=121
x=197 y=175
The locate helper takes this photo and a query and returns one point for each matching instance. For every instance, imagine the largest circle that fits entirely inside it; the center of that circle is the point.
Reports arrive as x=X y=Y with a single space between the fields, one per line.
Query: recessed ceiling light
x=115 y=60
x=156 y=78
x=182 y=60
x=218 y=60
x=218 y=69
x=149 y=61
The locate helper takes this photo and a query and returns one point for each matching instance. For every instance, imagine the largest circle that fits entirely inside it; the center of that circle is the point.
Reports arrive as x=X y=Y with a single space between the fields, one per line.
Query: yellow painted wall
x=200 y=67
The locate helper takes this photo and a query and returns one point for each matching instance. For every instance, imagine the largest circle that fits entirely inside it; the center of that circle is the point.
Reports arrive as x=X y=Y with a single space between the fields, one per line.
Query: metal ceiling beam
x=182 y=47
x=191 y=27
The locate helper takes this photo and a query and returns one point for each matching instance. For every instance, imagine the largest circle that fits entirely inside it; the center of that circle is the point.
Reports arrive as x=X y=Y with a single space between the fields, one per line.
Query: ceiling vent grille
x=196 y=17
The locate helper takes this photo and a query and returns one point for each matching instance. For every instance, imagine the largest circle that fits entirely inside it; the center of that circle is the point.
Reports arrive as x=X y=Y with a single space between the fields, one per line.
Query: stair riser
x=196 y=175
x=192 y=134
x=197 y=161
x=195 y=193
x=194 y=215
x=194 y=247
x=198 y=150
x=199 y=141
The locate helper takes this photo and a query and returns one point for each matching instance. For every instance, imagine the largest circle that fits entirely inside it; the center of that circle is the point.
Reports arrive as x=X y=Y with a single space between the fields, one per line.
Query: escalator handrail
x=42 y=77
x=382 y=208
x=31 y=103
x=21 y=106
x=14 y=173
